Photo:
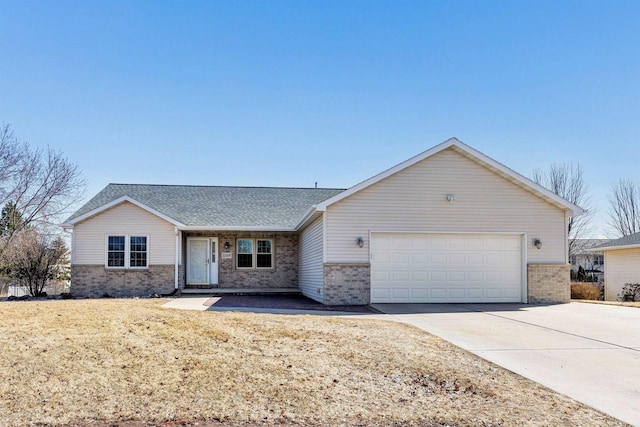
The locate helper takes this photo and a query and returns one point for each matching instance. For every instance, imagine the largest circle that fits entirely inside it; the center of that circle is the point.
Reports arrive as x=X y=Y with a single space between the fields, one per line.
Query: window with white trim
x=254 y=254
x=127 y=251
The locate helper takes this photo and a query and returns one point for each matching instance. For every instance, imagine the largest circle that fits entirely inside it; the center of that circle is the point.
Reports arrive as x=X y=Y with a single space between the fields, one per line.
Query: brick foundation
x=347 y=284
x=95 y=281
x=548 y=283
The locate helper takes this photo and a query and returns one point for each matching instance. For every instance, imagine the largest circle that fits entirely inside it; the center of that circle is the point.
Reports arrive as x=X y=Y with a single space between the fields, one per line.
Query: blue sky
x=287 y=93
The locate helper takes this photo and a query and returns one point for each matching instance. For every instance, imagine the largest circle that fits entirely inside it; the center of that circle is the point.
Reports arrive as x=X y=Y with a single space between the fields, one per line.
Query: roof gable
x=76 y=218
x=470 y=153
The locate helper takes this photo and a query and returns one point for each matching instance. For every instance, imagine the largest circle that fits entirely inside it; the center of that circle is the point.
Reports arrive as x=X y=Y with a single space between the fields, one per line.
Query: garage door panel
x=475 y=293
x=399 y=294
x=475 y=243
x=493 y=292
x=455 y=293
x=400 y=275
x=419 y=259
x=437 y=259
x=493 y=259
x=475 y=276
x=400 y=258
x=456 y=276
x=438 y=242
x=476 y=259
x=438 y=276
x=446 y=268
x=420 y=243
x=456 y=258
x=438 y=293
x=419 y=276
x=419 y=293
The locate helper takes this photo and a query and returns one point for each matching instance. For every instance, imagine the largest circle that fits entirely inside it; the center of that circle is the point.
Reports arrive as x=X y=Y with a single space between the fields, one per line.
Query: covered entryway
x=446 y=267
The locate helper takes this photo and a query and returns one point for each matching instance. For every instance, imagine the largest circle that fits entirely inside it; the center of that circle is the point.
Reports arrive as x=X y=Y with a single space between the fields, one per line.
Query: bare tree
x=567 y=181
x=624 y=212
x=33 y=259
x=39 y=184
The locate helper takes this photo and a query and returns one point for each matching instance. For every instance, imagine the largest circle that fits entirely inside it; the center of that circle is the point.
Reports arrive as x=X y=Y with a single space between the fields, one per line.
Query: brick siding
x=347 y=284
x=548 y=283
x=95 y=281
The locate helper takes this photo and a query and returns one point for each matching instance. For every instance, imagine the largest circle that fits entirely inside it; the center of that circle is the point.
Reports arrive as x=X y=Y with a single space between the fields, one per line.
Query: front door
x=198 y=261
x=202 y=261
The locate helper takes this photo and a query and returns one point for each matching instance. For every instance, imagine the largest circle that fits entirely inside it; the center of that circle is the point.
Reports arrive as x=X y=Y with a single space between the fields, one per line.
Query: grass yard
x=108 y=361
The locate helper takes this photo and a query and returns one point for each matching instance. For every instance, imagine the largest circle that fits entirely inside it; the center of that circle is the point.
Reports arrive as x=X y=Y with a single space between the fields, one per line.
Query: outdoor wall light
x=537 y=243
x=451 y=197
x=360 y=242
x=227 y=245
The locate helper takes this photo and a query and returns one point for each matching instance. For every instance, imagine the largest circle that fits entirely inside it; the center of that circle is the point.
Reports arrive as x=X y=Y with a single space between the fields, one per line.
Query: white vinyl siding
x=415 y=199
x=620 y=266
x=125 y=219
x=310 y=272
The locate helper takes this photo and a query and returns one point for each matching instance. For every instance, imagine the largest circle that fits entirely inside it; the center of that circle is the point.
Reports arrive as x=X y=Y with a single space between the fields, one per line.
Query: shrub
x=585 y=291
x=630 y=292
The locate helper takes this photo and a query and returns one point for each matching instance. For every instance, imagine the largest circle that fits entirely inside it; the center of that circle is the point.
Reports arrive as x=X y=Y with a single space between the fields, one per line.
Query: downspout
x=177 y=258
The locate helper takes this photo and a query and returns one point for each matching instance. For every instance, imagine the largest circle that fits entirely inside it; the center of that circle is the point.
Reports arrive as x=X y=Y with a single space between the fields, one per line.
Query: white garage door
x=421 y=267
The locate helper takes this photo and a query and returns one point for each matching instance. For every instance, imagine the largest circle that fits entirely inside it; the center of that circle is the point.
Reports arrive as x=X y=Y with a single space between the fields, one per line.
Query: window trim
x=254 y=254
x=127 y=251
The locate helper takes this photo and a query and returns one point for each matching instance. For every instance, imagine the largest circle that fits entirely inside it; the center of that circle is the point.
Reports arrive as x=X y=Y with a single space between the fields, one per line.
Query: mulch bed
x=287 y=302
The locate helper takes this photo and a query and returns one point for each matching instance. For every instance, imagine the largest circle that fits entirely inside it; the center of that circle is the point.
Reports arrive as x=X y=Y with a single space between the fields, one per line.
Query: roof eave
x=233 y=228
x=612 y=248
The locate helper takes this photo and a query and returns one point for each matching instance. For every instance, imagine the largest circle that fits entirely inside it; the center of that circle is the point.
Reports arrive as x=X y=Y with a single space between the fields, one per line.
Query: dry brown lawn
x=104 y=362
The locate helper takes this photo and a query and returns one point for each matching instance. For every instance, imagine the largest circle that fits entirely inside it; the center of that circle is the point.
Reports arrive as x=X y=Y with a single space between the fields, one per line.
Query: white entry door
x=198 y=261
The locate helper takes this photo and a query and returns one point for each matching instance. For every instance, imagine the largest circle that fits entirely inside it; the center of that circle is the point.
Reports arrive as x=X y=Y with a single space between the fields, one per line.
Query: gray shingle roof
x=584 y=246
x=218 y=206
x=630 y=240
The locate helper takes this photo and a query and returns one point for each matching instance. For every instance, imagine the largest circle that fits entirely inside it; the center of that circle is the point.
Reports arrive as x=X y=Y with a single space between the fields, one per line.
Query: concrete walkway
x=588 y=352
x=199 y=303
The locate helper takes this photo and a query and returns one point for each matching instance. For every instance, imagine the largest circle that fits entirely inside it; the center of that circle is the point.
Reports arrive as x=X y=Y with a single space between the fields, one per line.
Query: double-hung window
x=254 y=254
x=127 y=251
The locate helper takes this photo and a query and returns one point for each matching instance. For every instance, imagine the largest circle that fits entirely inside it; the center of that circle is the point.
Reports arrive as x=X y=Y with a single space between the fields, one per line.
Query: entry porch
x=251 y=262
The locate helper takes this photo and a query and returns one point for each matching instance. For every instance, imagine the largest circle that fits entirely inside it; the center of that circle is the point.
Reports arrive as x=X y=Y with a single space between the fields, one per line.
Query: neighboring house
x=448 y=225
x=622 y=260
x=592 y=262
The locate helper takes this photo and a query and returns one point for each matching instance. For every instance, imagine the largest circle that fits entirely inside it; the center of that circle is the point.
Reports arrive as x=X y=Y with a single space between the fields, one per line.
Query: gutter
x=608 y=248
x=232 y=228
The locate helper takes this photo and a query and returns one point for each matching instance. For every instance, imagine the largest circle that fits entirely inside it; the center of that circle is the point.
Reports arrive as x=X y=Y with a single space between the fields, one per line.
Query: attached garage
x=447 y=267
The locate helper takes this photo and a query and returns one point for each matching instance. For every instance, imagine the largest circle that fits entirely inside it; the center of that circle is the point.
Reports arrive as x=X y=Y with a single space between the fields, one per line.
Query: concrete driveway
x=590 y=352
